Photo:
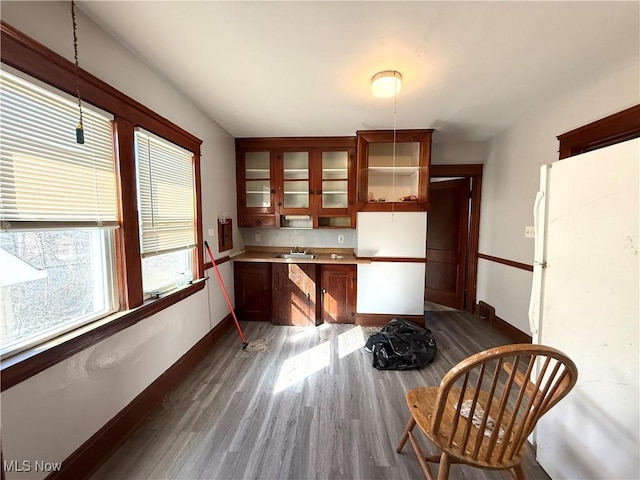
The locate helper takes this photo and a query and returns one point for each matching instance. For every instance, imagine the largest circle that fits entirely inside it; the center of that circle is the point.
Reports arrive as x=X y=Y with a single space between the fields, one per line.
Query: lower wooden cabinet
x=338 y=293
x=294 y=294
x=302 y=294
x=252 y=283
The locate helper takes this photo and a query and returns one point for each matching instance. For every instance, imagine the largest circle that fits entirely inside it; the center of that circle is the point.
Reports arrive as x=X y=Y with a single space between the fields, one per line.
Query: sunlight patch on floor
x=301 y=366
x=350 y=341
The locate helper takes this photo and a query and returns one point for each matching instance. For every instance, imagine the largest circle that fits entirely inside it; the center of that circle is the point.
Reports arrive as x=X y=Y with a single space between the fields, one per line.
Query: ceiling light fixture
x=386 y=84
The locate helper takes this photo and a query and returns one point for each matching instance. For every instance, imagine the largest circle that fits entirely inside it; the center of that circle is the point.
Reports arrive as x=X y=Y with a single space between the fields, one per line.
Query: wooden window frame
x=616 y=128
x=25 y=54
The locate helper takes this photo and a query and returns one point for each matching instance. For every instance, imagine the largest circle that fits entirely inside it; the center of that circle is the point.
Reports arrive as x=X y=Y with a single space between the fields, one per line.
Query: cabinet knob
x=258 y=222
x=324 y=290
x=279 y=204
x=273 y=191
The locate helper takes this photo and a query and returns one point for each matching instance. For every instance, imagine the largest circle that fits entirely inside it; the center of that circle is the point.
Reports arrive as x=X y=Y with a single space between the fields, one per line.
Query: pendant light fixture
x=80 y=126
x=386 y=84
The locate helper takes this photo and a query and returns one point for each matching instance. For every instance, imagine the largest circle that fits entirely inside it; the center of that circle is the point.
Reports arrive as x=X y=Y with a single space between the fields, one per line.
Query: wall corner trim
x=96 y=450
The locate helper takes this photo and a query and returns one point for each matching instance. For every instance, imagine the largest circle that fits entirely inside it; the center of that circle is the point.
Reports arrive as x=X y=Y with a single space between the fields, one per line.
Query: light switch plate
x=529 y=232
x=211 y=232
x=258 y=237
x=340 y=238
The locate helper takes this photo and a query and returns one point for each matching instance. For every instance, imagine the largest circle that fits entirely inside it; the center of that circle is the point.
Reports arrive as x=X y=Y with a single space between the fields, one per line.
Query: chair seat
x=422 y=405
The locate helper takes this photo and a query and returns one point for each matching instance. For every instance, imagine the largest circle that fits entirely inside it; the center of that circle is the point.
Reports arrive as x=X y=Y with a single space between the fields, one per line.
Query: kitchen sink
x=296 y=256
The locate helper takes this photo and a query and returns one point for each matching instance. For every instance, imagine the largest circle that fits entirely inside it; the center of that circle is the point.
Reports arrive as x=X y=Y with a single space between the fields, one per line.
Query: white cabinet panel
x=386 y=234
x=391 y=288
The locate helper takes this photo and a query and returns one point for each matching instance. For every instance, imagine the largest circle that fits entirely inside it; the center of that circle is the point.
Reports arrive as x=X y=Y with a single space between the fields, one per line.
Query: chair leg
x=405 y=435
x=421 y=458
x=518 y=471
x=443 y=469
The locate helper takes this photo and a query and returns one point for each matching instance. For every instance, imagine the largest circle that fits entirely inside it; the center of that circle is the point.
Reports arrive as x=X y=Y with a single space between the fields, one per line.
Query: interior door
x=447 y=231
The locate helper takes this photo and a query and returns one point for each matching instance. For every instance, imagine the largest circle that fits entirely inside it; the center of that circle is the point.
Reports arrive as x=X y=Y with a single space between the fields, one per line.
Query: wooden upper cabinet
x=335 y=187
x=293 y=182
x=311 y=182
x=255 y=185
x=393 y=173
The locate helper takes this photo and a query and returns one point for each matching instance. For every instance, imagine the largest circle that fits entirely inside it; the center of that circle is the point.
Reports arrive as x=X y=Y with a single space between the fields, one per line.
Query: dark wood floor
x=310 y=407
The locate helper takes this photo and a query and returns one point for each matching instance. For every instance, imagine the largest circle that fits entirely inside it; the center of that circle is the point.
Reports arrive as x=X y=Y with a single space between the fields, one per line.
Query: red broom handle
x=226 y=295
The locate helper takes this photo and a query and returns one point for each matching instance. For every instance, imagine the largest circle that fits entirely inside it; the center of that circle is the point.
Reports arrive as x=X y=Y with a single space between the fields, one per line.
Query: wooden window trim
x=25 y=54
x=610 y=130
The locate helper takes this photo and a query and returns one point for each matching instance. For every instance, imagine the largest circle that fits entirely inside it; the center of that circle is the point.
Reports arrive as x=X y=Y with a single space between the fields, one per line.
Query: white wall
x=458 y=152
x=51 y=414
x=511 y=178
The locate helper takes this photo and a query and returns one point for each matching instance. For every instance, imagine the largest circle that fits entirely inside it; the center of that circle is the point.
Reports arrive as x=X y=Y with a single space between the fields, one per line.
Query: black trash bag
x=401 y=345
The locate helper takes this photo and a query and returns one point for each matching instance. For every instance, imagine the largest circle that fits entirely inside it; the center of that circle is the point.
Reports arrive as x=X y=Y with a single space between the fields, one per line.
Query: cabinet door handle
x=318 y=192
x=273 y=191
x=279 y=204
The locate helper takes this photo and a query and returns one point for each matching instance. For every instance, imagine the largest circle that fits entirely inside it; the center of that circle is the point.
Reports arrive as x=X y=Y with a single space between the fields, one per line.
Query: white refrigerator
x=585 y=302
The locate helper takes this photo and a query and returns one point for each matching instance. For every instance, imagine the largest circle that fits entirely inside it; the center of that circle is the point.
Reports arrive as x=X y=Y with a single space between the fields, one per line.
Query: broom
x=226 y=296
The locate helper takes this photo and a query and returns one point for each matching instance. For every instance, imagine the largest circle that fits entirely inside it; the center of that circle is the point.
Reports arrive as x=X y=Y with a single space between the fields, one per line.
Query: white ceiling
x=471 y=69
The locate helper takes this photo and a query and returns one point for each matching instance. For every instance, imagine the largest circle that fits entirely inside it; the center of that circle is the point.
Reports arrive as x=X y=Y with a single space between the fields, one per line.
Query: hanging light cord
x=80 y=126
x=393 y=154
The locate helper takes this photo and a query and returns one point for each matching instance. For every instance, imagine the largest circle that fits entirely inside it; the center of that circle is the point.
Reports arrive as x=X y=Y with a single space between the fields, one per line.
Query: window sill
x=30 y=362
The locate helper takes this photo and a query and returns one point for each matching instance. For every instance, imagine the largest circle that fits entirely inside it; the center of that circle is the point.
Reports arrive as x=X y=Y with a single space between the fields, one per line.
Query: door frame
x=473 y=171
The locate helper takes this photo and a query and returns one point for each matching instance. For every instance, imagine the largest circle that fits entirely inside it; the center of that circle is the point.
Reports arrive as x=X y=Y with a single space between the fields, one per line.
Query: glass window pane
x=334 y=194
x=335 y=165
x=258 y=193
x=296 y=194
x=51 y=281
x=166 y=271
x=257 y=165
x=296 y=165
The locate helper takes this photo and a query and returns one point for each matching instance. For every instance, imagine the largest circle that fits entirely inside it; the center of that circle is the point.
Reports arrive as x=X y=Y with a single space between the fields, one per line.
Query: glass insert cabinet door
x=394 y=171
x=296 y=179
x=335 y=179
x=257 y=179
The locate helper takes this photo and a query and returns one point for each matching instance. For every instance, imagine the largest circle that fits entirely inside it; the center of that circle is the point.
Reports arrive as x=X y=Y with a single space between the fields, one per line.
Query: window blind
x=166 y=195
x=46 y=178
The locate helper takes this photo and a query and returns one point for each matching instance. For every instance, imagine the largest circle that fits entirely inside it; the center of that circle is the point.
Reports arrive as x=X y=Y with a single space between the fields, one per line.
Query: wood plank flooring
x=312 y=407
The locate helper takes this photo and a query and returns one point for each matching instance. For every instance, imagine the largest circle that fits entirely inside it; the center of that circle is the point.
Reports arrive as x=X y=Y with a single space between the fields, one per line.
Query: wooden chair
x=509 y=388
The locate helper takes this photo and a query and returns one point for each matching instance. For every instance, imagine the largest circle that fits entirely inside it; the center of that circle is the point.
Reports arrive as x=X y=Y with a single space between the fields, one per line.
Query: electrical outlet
x=340 y=238
x=529 y=232
x=258 y=237
x=211 y=232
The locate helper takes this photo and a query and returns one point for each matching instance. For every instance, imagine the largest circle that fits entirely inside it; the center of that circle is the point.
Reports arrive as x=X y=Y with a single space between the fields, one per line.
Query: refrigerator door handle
x=537 y=246
x=538 y=265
